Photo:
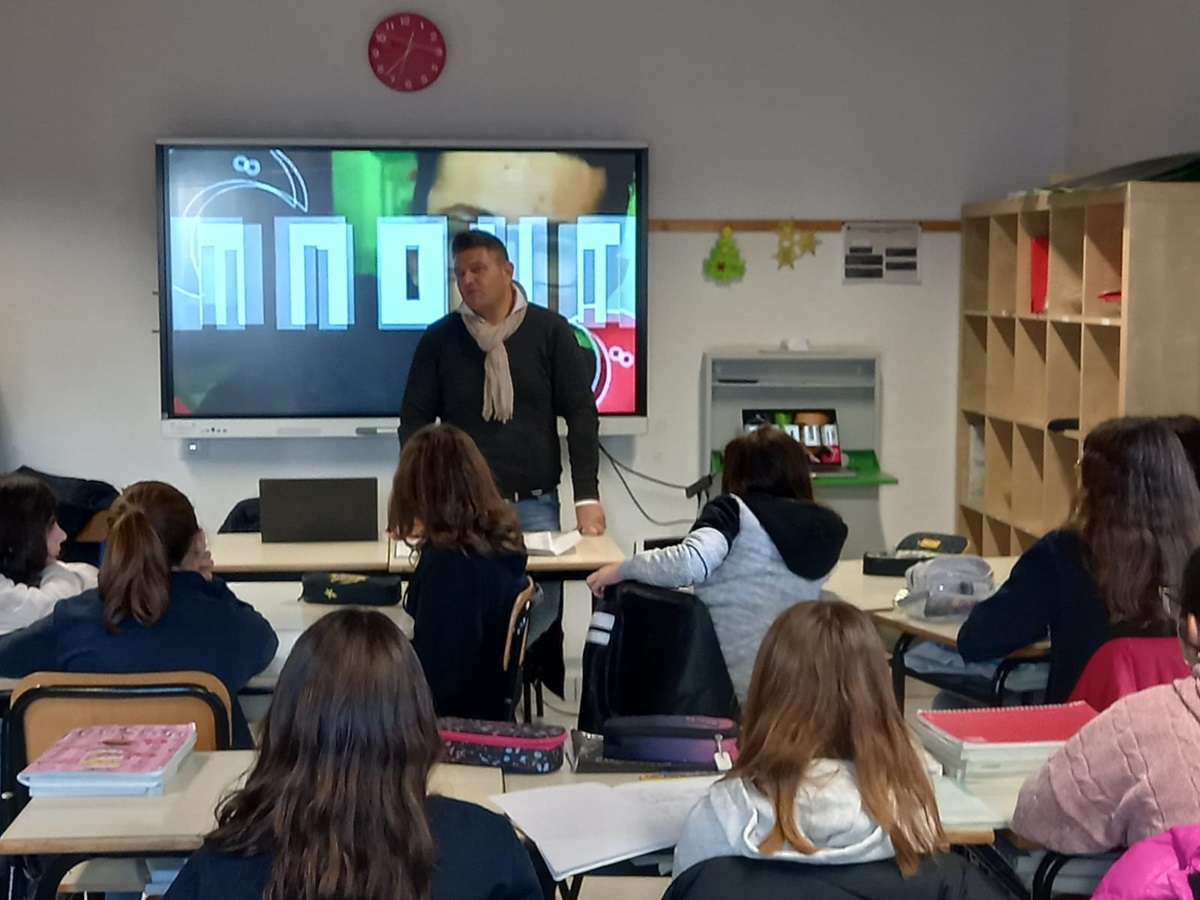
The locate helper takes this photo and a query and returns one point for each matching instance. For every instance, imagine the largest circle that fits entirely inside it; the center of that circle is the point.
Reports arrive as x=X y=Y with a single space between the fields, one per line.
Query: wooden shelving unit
x=1084 y=357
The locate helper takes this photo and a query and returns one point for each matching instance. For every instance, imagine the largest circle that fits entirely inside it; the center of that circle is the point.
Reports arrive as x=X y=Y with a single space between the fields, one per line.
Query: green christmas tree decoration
x=725 y=263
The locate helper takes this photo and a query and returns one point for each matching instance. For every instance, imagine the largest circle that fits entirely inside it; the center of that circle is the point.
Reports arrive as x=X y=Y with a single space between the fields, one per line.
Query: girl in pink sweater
x=1129 y=773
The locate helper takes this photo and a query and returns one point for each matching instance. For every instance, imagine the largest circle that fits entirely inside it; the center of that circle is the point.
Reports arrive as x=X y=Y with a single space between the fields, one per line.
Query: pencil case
x=516 y=748
x=708 y=742
x=350 y=590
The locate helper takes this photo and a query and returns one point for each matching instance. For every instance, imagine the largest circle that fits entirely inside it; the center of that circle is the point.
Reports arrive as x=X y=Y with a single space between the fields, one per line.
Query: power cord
x=617 y=467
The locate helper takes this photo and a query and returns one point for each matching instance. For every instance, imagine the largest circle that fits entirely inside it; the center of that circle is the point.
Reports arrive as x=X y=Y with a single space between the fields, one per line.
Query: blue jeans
x=542 y=514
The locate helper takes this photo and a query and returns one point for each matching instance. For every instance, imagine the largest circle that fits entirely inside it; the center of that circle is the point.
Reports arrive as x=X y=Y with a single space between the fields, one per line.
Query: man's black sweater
x=551 y=377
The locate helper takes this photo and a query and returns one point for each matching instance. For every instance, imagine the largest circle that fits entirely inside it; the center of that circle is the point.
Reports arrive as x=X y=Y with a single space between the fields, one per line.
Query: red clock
x=407 y=52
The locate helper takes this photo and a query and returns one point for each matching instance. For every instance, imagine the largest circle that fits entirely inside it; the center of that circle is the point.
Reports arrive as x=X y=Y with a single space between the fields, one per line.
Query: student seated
x=471 y=567
x=1135 y=519
x=338 y=804
x=827 y=772
x=760 y=547
x=1127 y=774
x=32 y=579
x=157 y=608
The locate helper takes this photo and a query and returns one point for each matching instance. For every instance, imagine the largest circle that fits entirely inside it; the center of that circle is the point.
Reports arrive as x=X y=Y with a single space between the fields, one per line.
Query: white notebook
x=551 y=543
x=619 y=823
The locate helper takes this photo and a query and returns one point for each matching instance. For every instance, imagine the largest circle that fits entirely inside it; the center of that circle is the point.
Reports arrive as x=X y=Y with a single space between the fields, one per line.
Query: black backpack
x=652 y=651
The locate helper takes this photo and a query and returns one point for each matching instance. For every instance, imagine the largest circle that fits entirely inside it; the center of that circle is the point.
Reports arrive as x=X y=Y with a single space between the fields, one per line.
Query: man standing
x=503 y=370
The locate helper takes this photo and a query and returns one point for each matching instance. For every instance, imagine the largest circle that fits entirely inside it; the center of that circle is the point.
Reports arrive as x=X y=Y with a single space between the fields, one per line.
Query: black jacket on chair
x=652 y=651
x=946 y=877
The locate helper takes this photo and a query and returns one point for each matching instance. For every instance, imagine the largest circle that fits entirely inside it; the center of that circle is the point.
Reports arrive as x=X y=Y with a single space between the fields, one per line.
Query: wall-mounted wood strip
x=801 y=224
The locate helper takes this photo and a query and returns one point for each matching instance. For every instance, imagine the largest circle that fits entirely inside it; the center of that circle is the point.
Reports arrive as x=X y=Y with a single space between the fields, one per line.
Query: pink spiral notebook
x=1011 y=724
x=110 y=759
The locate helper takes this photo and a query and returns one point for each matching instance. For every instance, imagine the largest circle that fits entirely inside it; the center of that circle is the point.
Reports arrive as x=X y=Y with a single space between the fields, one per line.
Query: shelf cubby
x=1103 y=265
x=1021 y=541
x=972 y=449
x=1027 y=468
x=1064 y=286
x=1100 y=376
x=1063 y=347
x=998 y=464
x=1002 y=265
x=1058 y=479
x=972 y=373
x=975 y=264
x=1029 y=372
x=1001 y=354
x=970 y=525
x=997 y=537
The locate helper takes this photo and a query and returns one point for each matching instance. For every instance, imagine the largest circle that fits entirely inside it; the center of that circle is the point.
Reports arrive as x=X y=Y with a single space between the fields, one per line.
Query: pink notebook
x=110 y=758
x=1011 y=724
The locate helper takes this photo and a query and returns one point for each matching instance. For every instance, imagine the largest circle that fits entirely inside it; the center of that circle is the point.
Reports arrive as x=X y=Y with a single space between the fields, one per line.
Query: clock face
x=407 y=52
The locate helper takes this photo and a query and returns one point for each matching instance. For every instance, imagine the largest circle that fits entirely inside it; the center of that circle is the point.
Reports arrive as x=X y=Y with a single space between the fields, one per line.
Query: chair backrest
x=245 y=517
x=938 y=877
x=46 y=705
x=652 y=651
x=514 y=649
x=1127 y=665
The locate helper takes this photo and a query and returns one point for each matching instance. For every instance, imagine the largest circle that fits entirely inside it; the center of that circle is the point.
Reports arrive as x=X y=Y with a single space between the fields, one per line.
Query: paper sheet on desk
x=579 y=827
x=961 y=810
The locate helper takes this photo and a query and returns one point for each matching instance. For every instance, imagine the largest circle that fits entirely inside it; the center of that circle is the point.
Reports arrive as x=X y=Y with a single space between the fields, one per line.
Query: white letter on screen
x=216 y=275
x=423 y=301
x=314 y=275
x=596 y=237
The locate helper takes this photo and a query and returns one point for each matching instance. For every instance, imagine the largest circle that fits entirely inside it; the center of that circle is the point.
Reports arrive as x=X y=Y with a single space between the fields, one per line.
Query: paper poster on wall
x=884 y=252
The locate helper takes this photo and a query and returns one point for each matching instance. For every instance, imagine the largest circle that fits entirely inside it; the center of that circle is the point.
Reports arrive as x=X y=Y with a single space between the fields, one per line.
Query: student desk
x=946 y=634
x=244 y=557
x=591 y=553
x=69 y=830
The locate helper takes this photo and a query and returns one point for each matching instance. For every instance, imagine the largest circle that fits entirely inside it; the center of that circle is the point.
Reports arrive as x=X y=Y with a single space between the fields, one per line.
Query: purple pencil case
x=520 y=749
x=708 y=742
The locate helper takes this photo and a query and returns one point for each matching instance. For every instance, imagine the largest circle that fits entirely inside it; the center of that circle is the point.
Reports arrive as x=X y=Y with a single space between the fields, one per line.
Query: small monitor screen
x=816 y=429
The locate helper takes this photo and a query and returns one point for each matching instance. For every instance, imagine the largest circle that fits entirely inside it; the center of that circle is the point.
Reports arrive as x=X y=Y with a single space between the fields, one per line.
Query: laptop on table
x=816 y=429
x=319 y=509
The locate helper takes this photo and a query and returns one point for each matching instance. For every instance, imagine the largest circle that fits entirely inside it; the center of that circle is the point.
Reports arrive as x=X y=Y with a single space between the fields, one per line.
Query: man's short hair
x=470 y=240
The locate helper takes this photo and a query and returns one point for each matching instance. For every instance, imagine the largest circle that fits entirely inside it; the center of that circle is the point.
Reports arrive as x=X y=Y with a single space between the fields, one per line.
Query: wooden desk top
x=246 y=554
x=178 y=820
x=592 y=552
x=945 y=633
x=878 y=592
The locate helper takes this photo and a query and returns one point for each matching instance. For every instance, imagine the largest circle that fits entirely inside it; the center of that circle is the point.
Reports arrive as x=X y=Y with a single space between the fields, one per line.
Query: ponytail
x=152 y=527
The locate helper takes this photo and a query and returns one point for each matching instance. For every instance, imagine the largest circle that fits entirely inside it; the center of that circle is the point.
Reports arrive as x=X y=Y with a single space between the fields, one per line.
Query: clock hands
x=403 y=60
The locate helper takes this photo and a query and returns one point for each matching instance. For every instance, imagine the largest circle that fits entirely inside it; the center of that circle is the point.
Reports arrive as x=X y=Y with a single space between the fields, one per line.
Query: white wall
x=1134 y=79
x=812 y=108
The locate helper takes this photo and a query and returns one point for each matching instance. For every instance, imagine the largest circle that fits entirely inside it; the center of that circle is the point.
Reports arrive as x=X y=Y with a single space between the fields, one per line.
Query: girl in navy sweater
x=470 y=569
x=1105 y=574
x=158 y=607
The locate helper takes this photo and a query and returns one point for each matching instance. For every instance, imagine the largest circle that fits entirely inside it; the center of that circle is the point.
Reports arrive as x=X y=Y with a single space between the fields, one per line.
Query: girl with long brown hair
x=470 y=568
x=158 y=607
x=32 y=579
x=1134 y=521
x=337 y=805
x=827 y=771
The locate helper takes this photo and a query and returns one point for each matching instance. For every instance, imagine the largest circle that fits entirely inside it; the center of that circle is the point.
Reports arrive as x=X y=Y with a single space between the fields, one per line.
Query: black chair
x=945 y=877
x=652 y=651
x=245 y=517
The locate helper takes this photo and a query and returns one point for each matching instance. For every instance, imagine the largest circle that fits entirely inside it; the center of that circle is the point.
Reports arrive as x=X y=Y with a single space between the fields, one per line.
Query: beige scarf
x=497 y=378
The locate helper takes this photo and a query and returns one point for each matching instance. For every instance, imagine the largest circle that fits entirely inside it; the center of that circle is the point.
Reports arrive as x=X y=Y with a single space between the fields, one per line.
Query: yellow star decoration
x=787 y=251
x=331 y=593
x=808 y=242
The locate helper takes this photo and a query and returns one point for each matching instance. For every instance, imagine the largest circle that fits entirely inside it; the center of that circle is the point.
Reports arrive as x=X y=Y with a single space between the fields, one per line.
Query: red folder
x=1011 y=724
x=1039 y=269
